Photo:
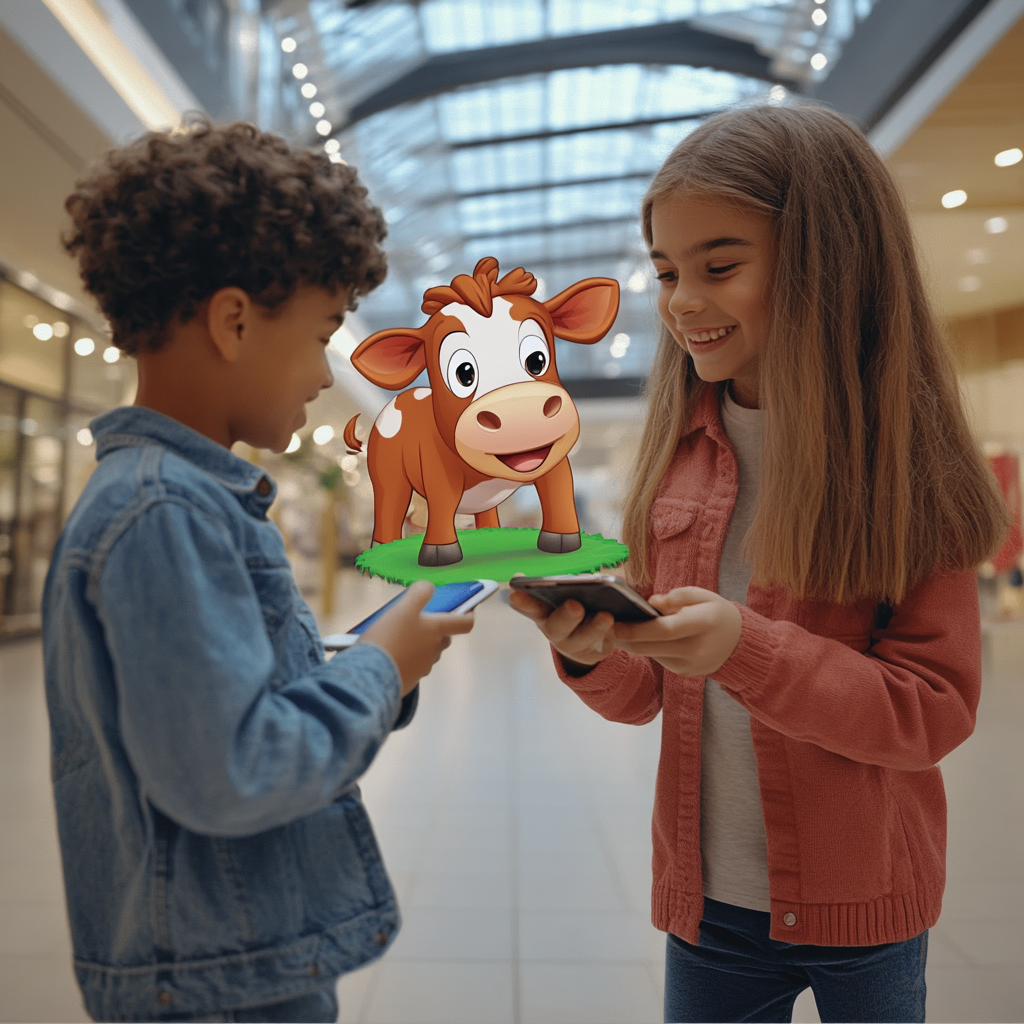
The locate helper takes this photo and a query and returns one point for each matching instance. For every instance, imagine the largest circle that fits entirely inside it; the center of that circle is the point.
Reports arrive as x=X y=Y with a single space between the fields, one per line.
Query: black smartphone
x=597 y=592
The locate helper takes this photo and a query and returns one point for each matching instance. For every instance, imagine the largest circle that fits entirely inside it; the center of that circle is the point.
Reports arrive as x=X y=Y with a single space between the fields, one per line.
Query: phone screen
x=445 y=598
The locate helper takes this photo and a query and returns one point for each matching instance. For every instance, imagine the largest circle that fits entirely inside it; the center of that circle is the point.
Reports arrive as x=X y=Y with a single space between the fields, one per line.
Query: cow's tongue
x=525 y=462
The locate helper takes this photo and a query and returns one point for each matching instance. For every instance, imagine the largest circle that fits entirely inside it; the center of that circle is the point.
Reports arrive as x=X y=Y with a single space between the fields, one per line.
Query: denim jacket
x=204 y=754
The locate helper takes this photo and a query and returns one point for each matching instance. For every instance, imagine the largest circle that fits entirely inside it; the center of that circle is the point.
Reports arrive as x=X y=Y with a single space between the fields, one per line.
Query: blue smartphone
x=449 y=597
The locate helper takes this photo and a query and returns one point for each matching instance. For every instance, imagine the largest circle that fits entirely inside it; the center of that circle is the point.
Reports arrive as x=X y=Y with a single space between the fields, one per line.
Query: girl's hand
x=579 y=642
x=697 y=632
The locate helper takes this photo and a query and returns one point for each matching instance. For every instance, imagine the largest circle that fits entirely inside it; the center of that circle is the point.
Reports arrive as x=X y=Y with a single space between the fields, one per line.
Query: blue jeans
x=318 y=1006
x=738 y=973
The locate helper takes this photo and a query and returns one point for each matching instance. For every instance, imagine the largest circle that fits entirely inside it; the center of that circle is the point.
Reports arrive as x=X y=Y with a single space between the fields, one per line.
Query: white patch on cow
x=389 y=422
x=494 y=342
x=483 y=496
x=420 y=393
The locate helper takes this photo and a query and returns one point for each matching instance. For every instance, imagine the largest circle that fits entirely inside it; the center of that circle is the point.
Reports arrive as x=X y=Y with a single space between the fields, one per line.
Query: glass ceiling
x=543 y=170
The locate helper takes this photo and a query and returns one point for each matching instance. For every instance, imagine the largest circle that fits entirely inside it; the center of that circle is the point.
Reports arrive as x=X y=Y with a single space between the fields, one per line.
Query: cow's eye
x=461 y=375
x=533 y=354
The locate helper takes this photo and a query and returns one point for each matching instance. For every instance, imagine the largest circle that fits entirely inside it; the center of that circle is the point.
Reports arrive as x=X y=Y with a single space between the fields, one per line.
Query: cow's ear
x=391 y=358
x=586 y=310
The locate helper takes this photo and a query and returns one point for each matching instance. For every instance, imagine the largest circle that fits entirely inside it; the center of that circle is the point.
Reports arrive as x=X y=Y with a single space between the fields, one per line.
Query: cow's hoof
x=558 y=543
x=440 y=554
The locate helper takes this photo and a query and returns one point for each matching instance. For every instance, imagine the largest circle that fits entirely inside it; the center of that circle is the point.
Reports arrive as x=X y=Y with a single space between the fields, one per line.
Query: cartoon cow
x=495 y=416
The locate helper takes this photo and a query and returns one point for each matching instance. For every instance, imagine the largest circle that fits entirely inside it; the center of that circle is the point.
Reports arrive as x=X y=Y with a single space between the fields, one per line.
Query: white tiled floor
x=515 y=825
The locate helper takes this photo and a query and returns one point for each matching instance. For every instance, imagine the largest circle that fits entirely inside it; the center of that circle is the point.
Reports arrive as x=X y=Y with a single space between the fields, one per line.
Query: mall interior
x=514 y=822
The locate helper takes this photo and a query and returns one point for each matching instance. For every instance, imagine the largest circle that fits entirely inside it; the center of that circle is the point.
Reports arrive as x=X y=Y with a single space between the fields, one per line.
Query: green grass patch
x=490 y=554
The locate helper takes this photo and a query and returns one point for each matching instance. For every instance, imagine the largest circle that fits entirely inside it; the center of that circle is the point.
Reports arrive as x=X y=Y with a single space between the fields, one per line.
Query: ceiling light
x=90 y=29
x=300 y=70
x=60 y=329
x=336 y=158
x=44 y=332
x=969 y=284
x=1009 y=157
x=818 y=61
x=317 y=108
x=777 y=93
x=996 y=225
x=819 y=17
x=637 y=282
x=349 y=463
x=288 y=44
x=332 y=146
x=293 y=445
x=84 y=437
x=619 y=346
x=977 y=256
x=955 y=198
x=85 y=346
x=111 y=354
x=323 y=434
x=30 y=321
x=308 y=90
x=323 y=127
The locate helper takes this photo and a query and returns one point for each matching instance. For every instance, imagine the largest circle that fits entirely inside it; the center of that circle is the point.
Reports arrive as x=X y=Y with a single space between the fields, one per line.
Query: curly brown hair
x=162 y=224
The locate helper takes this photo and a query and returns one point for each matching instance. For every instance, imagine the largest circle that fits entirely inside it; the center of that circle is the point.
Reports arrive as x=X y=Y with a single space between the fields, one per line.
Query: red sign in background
x=1007 y=470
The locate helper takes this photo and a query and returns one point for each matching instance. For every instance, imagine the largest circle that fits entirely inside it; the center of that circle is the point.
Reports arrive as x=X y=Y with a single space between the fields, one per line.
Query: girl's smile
x=714 y=261
x=705 y=338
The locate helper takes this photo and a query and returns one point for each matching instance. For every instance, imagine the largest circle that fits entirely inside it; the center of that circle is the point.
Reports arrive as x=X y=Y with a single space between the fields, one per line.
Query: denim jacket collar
x=135 y=426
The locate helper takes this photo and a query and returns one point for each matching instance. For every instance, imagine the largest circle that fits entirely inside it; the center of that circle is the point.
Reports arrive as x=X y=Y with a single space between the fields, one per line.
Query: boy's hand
x=696 y=634
x=585 y=643
x=413 y=639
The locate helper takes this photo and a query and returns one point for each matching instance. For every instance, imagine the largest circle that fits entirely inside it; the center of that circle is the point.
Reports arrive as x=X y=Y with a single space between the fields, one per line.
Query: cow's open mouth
x=525 y=462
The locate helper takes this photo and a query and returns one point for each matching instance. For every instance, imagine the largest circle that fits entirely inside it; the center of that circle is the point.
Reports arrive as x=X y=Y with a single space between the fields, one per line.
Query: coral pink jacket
x=850 y=714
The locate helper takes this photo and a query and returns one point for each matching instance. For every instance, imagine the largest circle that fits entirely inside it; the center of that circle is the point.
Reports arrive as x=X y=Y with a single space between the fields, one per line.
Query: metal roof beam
x=609 y=126
x=542 y=229
x=666 y=43
x=538 y=186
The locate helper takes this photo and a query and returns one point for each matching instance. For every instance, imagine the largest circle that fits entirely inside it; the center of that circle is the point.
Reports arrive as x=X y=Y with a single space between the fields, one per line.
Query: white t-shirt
x=733 y=846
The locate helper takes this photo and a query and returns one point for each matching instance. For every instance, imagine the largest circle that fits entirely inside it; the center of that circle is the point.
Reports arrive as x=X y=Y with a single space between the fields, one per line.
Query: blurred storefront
x=56 y=373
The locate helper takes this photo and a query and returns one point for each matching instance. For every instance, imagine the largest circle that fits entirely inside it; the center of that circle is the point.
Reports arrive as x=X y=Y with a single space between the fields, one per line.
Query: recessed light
x=300 y=70
x=323 y=127
x=996 y=225
x=819 y=17
x=288 y=44
x=1009 y=157
x=969 y=284
x=308 y=90
x=955 y=198
x=818 y=61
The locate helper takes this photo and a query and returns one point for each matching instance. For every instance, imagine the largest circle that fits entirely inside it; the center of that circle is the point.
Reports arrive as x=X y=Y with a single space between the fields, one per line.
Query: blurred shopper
x=808 y=510
x=219 y=863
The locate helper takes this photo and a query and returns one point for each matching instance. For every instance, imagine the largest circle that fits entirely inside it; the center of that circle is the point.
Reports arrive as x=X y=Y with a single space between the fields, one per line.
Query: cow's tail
x=351 y=440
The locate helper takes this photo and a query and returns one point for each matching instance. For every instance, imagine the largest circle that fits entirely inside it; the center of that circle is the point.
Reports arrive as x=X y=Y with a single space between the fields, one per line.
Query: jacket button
x=263 y=487
x=382 y=939
x=789 y=919
x=164 y=998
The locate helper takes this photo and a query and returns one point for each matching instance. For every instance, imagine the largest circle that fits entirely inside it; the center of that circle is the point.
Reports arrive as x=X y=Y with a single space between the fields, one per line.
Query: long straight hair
x=870 y=476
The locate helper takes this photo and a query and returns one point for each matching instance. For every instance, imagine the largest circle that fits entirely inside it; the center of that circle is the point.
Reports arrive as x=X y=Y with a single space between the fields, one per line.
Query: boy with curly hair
x=218 y=861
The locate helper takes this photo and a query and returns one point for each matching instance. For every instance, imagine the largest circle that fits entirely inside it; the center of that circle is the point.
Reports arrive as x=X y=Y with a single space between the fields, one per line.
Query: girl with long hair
x=807 y=510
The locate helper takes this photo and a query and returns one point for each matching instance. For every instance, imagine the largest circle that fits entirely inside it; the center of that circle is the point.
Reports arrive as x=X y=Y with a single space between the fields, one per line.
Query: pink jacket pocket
x=670 y=516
